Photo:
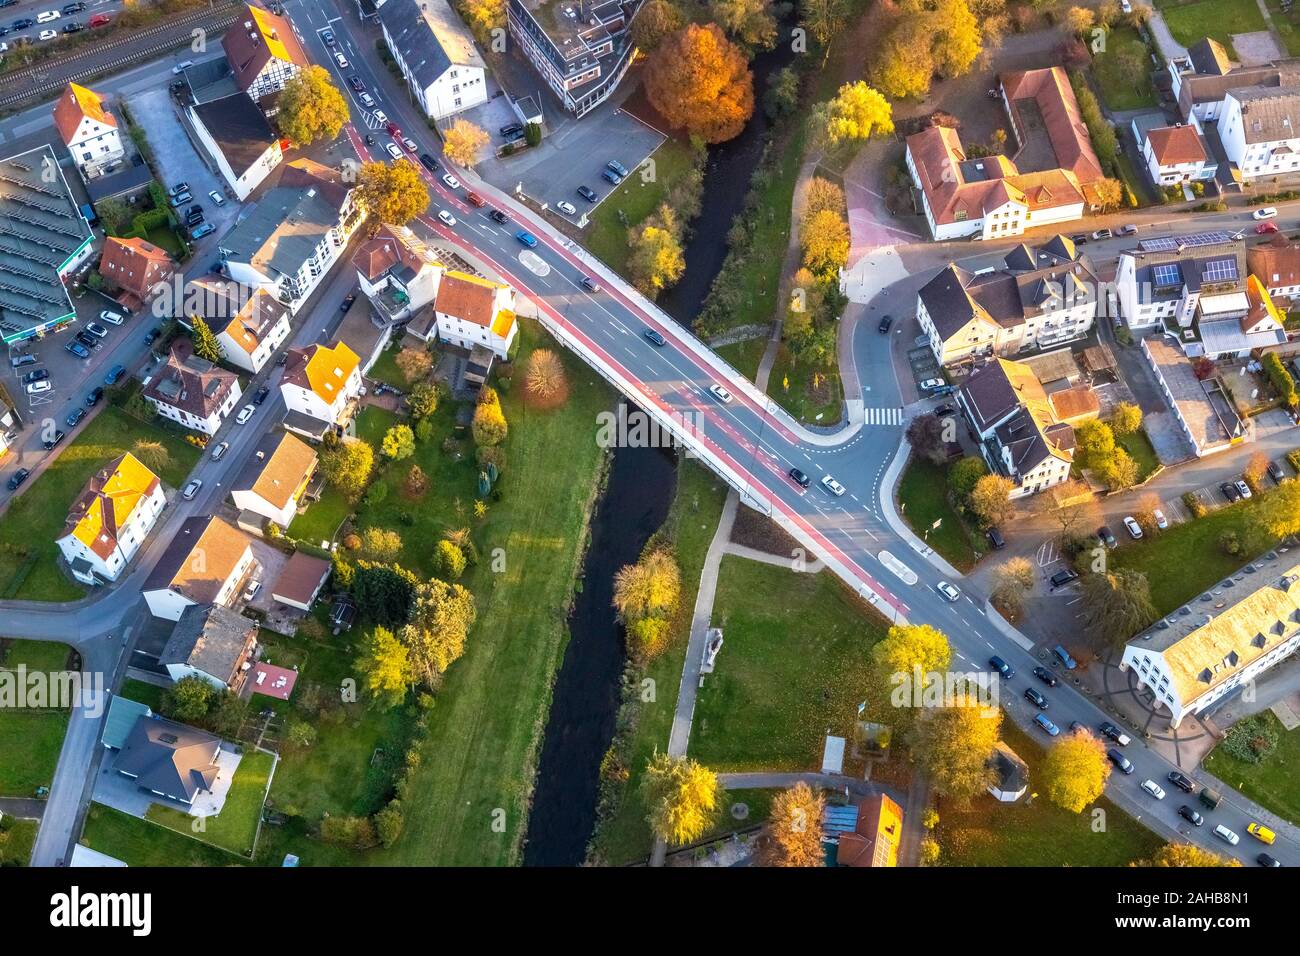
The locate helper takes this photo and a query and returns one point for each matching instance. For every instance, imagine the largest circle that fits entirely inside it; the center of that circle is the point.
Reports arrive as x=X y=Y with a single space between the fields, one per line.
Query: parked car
x=1002 y=667
x=1268 y=212
x=94 y=395
x=527 y=238
x=47 y=16
x=511 y=130
x=720 y=393
x=450 y=181
x=1122 y=763
x=111 y=317
x=1106 y=538
x=1230 y=491
x=1129 y=230
x=587 y=193
x=194 y=218
x=18 y=361
x=86 y=339
x=1101 y=234
x=97 y=330
x=262 y=392
x=250 y=592
x=1161 y=521
x=74 y=416
x=429 y=163
x=114 y=374
x=1181 y=781
x=617 y=167
x=1044 y=675
x=192 y=489
x=1275 y=472
x=1111 y=732
x=446 y=218
x=1243 y=489
x=181 y=187
x=36 y=375
x=611 y=177
x=180 y=199
x=1035 y=698
x=833 y=486
x=220 y=450
x=1134 y=529
x=346 y=303
x=1191 y=816
x=1265 y=228
x=201 y=230
x=342 y=61
x=1153 y=788
x=77 y=349
x=932 y=383
x=1047 y=726
x=995 y=539
x=58 y=436
x=181 y=67
x=39 y=388
x=245 y=414
x=566 y=208
x=47 y=35
x=17 y=478
x=152 y=336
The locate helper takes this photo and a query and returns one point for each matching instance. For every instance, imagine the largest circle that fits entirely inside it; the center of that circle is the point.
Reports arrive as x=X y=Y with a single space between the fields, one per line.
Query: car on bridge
x=1181 y=781
x=1111 y=732
x=1191 y=816
x=588 y=283
x=1153 y=788
x=799 y=478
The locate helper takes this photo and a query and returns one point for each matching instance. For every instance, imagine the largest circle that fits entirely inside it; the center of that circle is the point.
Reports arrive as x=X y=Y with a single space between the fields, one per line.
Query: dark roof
x=1012 y=772
x=425 y=53
x=170 y=758
x=239 y=129
x=190 y=383
x=210 y=638
x=129 y=179
x=1209 y=57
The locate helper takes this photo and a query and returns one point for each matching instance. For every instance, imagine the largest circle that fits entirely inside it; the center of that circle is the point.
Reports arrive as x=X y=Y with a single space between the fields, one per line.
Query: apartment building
x=436 y=54
x=192 y=391
x=110 y=519
x=263 y=52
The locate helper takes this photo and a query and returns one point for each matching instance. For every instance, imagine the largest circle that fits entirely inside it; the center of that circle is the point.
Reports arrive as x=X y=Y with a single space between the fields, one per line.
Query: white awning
x=1219 y=304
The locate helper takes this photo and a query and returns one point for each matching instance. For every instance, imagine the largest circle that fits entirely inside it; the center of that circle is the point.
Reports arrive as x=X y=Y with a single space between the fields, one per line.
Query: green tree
x=1277 y=514
x=385 y=593
x=347 y=466
x=451 y=560
x=657 y=19
x=381 y=544
x=857 y=113
x=386 y=666
x=963 y=476
x=206 y=345
x=311 y=107
x=895 y=662
x=188 y=700
x=441 y=619
x=782 y=96
x=925 y=435
x=825 y=243
x=953 y=745
x=1126 y=419
x=489 y=425
x=422 y=400
x=823 y=19
x=750 y=23
x=151 y=453
x=1117 y=604
x=399 y=442
x=683 y=797
x=393 y=194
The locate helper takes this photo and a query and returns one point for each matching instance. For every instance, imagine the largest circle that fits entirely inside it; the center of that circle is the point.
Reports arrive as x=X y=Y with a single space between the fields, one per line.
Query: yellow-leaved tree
x=683 y=797
x=794 y=829
x=1074 y=771
x=463 y=142
x=311 y=107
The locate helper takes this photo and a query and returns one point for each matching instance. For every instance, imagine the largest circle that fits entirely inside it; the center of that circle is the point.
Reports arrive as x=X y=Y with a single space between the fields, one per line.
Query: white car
x=250 y=592
x=341 y=60
x=1153 y=788
x=49 y=16
x=1134 y=529
x=833 y=486
x=1268 y=212
x=245 y=414
x=1161 y=521
x=47 y=35
x=220 y=450
x=451 y=181
x=947 y=590
x=381 y=117
x=932 y=383
x=192 y=489
x=565 y=207
x=217 y=198
x=39 y=388
x=367 y=100
x=721 y=394
x=447 y=218
x=393 y=150
x=1243 y=488
x=1125 y=6
x=410 y=143
x=112 y=318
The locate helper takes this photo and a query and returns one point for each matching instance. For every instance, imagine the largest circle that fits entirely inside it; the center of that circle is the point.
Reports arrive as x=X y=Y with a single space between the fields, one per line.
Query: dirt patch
x=754 y=530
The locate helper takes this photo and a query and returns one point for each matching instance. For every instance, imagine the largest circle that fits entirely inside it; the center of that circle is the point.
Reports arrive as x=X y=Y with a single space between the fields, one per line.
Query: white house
x=110 y=519
x=250 y=336
x=192 y=391
x=212 y=643
x=472 y=311
x=1176 y=154
x=322 y=381
x=263 y=52
x=206 y=563
x=398 y=272
x=1196 y=656
x=273 y=479
x=1260 y=130
x=436 y=55
x=1277 y=266
x=88 y=130
x=240 y=142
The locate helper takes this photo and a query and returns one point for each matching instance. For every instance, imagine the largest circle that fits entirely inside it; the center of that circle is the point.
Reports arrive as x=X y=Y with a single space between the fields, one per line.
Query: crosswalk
x=884 y=416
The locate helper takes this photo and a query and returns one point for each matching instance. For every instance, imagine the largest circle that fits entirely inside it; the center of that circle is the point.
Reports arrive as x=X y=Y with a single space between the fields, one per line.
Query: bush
x=1230 y=543
x=1194 y=504
x=1252 y=739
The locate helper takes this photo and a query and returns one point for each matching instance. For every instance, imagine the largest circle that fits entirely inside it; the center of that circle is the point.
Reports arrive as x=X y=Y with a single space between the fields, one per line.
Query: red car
x=475 y=199
x=393 y=129
x=99 y=20
x=1264 y=228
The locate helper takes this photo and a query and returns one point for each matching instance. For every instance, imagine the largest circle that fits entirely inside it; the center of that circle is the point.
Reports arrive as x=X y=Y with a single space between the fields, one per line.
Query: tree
x=964 y=475
x=1074 y=771
x=417 y=482
x=683 y=798
x=1185 y=854
x=657 y=19
x=414 y=364
x=925 y=435
x=750 y=22
x=823 y=19
x=699 y=81
x=657 y=259
x=451 y=560
x=384 y=593
x=823 y=194
x=1078 y=20
x=1120 y=471
x=825 y=243
x=953 y=744
x=380 y=544
x=441 y=619
x=794 y=829
x=422 y=400
x=650 y=588
x=188 y=700
x=462 y=142
x=1277 y=514
x=393 y=194
x=857 y=113
x=482 y=17
x=399 y=442
x=311 y=107
x=1094 y=443
x=206 y=345
x=1071 y=504
x=386 y=665
x=905 y=64
x=907 y=650
x=990 y=500
x=955 y=37
x=544 y=378
x=1117 y=604
x=489 y=424
x=1253 y=475
x=782 y=96
x=1125 y=419
x=1011 y=581
x=151 y=453
x=347 y=466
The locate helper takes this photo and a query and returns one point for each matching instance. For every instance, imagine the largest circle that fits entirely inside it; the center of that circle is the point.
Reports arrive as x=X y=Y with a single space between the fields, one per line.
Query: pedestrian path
x=883 y=416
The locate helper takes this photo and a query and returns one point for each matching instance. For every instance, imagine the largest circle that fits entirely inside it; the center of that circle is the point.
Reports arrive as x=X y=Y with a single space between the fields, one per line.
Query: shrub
x=1194 y=504
x=1230 y=543
x=1251 y=739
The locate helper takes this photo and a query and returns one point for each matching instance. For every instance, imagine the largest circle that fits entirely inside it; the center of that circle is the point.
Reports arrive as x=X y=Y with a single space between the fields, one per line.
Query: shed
x=833 y=755
x=123 y=712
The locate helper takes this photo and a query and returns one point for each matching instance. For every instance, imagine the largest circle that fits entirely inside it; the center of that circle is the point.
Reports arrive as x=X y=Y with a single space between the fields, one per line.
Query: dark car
x=496 y=215
x=799 y=478
x=590 y=284
x=152 y=336
x=22 y=23
x=1044 y=675
x=95 y=394
x=1035 y=698
x=262 y=392
x=73 y=27
x=1106 y=538
x=74 y=416
x=86 y=339
x=1121 y=762
x=996 y=540
x=370 y=139
x=1002 y=667
x=356 y=84
x=587 y=193
x=1079 y=239
x=197 y=207
x=59 y=435
x=885 y=322
x=429 y=163
x=1064 y=576
x=1190 y=815
x=18 y=477
x=73 y=7
x=655 y=338
x=1182 y=782
x=1230 y=491
x=1275 y=472
x=194 y=218
x=347 y=302
x=328 y=37
x=513 y=129
x=77 y=349
x=611 y=177
x=1265 y=860
x=1111 y=732
x=114 y=373
x=36 y=375
x=945 y=409
x=281 y=358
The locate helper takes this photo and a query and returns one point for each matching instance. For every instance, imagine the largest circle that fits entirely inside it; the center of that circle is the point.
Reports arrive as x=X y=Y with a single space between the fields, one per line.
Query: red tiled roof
x=1050 y=89
x=76 y=104
x=259 y=38
x=134 y=265
x=1175 y=145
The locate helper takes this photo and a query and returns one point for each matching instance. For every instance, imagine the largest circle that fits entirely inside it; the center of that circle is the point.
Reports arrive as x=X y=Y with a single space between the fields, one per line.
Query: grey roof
x=129 y=179
x=1269 y=113
x=1191 y=255
x=123 y=712
x=170 y=758
x=239 y=129
x=1012 y=772
x=210 y=638
x=430 y=39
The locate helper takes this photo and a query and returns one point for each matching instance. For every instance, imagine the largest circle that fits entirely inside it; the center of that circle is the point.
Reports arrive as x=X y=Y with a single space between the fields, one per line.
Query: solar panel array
x=1170 y=243
x=1166 y=274
x=1219 y=270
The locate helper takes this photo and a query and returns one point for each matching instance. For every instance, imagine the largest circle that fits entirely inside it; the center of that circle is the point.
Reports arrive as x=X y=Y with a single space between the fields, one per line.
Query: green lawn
x=138 y=690
x=30 y=739
x=1190 y=20
x=1139 y=448
x=792 y=385
x=235 y=827
x=1120 y=87
x=632 y=202
x=792 y=668
x=1286 y=26
x=1271 y=783
x=16 y=840
x=1037 y=832
x=137 y=842
x=624 y=836
x=744 y=356
x=385 y=368
x=35 y=518
x=923 y=500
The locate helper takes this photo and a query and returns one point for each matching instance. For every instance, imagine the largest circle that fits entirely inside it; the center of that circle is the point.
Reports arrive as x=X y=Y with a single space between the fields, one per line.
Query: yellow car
x=1261 y=833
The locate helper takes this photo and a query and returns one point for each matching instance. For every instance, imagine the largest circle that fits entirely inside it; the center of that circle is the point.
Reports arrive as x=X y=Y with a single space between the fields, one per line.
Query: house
x=52 y=244
x=471 y=311
x=88 y=129
x=135 y=267
x=1010 y=774
x=240 y=142
x=996 y=196
x=1276 y=265
x=1200 y=80
x=398 y=272
x=1197 y=655
x=1205 y=412
x=1042 y=296
x=263 y=52
x=301 y=580
x=250 y=334
x=436 y=55
x=1176 y=154
x=322 y=382
x=110 y=519
x=1020 y=437
x=192 y=391
x=206 y=563
x=212 y=643
x=169 y=759
x=875 y=839
x=294 y=235
x=1075 y=404
x=123 y=712
x=273 y=479
x=581 y=49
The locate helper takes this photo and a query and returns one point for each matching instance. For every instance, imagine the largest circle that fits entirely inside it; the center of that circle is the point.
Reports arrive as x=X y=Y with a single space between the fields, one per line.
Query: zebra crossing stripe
x=884 y=416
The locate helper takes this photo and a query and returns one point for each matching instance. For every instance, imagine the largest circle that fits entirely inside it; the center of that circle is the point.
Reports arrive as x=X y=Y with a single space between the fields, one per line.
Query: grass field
x=1272 y=782
x=30 y=739
x=792 y=385
x=1140 y=450
x=1036 y=832
x=745 y=356
x=235 y=827
x=1286 y=26
x=138 y=690
x=923 y=500
x=17 y=837
x=632 y=202
x=36 y=517
x=625 y=836
x=138 y=842
x=792 y=668
x=1189 y=20
x=1121 y=88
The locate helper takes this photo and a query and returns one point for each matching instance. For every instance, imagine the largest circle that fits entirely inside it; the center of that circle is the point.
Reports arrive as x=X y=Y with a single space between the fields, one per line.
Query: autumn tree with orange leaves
x=700 y=81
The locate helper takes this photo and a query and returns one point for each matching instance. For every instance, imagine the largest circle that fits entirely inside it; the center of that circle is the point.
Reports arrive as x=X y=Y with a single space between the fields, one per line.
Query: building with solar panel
x=43 y=239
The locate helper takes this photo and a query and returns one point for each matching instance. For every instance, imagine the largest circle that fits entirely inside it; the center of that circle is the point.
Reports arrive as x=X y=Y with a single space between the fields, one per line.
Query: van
x=18 y=361
x=1210 y=798
x=1226 y=835
x=1261 y=833
x=996 y=539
